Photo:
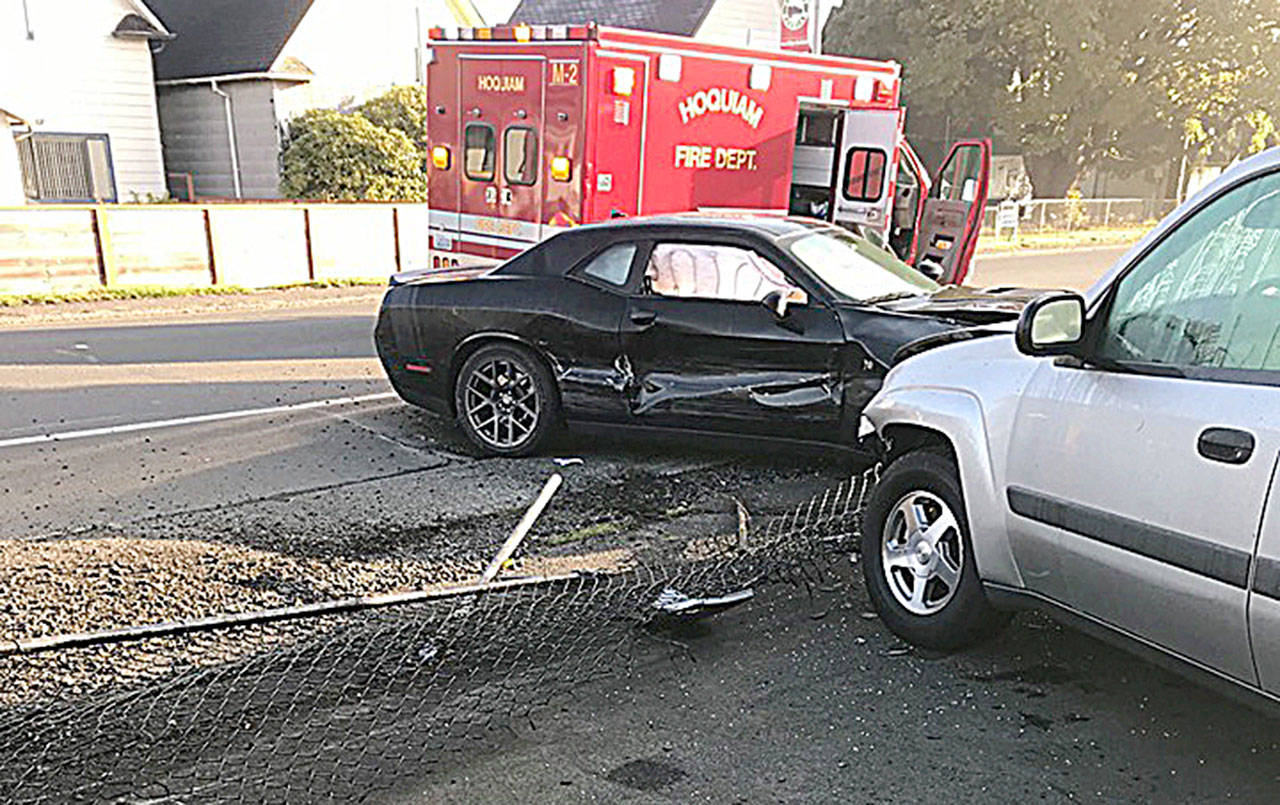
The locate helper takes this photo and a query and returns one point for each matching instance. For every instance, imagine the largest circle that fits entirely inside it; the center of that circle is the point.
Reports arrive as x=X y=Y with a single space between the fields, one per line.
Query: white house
x=10 y=173
x=239 y=69
x=749 y=23
x=79 y=74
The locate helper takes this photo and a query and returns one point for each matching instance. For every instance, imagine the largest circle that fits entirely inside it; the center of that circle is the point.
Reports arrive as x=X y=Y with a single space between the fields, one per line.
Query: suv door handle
x=1228 y=445
x=643 y=318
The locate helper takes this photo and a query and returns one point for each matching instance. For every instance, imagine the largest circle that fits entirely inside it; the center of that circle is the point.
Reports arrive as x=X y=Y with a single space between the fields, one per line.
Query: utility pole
x=815 y=22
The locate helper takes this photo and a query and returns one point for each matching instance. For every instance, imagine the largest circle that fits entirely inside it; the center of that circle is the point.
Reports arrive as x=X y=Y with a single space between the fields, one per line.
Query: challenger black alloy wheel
x=506 y=400
x=917 y=556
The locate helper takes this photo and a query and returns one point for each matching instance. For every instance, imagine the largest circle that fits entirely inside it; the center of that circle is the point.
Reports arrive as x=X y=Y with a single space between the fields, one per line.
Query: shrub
x=333 y=156
x=402 y=109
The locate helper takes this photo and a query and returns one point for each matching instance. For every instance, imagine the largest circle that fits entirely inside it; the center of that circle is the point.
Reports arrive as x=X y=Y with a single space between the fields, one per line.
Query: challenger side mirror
x=779 y=302
x=1052 y=325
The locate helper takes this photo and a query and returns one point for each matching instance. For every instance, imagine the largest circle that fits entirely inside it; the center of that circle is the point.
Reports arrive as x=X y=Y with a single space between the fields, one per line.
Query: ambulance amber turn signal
x=440 y=157
x=561 y=168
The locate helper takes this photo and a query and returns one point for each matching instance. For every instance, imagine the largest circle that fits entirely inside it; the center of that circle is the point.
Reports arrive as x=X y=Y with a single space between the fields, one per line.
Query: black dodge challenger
x=752 y=325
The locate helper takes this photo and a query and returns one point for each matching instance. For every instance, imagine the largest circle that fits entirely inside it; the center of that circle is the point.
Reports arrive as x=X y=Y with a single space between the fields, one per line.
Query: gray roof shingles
x=224 y=37
x=682 y=17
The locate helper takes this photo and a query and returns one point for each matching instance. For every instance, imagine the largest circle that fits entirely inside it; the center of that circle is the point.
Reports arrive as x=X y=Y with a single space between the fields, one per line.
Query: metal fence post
x=102 y=243
x=208 y=243
x=306 y=232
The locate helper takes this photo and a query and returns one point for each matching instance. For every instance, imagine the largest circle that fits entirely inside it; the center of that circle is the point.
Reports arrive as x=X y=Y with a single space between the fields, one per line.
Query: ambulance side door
x=952 y=216
x=866 y=166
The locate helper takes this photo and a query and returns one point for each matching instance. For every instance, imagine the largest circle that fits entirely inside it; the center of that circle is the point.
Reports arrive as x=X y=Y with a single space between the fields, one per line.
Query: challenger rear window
x=479 y=152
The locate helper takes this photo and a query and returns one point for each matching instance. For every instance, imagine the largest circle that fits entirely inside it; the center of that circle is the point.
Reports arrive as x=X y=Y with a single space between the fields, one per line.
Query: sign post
x=1007 y=218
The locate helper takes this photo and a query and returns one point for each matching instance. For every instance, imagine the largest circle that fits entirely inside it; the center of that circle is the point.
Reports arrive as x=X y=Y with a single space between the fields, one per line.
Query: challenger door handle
x=1228 y=445
x=643 y=318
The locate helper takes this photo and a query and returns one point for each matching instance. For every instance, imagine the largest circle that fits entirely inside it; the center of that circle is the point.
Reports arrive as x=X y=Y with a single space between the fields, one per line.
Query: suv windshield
x=855 y=268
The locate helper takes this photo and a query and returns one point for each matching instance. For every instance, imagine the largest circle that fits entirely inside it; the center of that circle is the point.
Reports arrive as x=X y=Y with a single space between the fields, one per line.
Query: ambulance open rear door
x=867 y=162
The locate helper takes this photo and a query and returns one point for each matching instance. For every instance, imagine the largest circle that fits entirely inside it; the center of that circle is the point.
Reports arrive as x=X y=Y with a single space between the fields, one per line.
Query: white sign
x=1007 y=217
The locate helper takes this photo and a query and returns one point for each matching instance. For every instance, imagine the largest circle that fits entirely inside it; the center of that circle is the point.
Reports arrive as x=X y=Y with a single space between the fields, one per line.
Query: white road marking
x=133 y=427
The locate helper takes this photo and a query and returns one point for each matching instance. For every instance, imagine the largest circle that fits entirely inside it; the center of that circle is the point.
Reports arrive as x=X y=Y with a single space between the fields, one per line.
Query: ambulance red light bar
x=519 y=32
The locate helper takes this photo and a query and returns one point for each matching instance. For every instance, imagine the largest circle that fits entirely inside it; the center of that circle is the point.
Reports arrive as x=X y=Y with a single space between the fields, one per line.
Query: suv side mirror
x=1052 y=325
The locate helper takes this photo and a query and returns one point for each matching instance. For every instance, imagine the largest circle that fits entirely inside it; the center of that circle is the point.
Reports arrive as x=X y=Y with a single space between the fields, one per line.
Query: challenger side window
x=698 y=271
x=480 y=147
x=612 y=265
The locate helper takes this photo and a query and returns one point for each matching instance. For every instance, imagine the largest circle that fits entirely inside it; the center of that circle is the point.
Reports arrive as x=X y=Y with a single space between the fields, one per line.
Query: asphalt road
x=789 y=698
x=1075 y=269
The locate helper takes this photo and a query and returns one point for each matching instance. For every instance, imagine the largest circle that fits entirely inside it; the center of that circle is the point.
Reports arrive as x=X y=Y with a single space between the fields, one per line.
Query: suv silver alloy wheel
x=921 y=553
x=501 y=403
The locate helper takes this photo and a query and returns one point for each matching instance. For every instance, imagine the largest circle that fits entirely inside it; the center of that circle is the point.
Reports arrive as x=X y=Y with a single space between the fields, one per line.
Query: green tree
x=333 y=156
x=1073 y=85
x=404 y=109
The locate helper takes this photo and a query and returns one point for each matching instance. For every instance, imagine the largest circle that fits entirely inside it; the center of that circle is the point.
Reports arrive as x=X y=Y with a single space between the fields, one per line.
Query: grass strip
x=161 y=291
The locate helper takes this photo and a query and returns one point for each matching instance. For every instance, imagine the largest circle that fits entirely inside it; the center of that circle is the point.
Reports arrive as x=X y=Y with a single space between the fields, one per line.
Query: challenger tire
x=506 y=400
x=917 y=556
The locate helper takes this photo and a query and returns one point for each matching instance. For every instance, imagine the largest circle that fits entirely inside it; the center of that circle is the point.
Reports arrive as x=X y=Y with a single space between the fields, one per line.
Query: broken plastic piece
x=567 y=462
x=673 y=602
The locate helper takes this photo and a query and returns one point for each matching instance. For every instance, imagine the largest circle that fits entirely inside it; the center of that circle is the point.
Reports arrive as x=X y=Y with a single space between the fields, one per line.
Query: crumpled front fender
x=957 y=415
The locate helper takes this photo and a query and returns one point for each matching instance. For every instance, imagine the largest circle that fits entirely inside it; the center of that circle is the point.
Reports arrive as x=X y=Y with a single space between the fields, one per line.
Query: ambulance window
x=864 y=174
x=520 y=155
x=816 y=128
x=480 y=147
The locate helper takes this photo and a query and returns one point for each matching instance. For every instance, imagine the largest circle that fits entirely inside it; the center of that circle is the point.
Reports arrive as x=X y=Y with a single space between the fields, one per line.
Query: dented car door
x=706 y=352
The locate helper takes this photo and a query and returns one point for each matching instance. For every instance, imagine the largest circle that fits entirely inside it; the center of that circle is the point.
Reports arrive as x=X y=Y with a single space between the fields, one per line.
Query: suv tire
x=915 y=525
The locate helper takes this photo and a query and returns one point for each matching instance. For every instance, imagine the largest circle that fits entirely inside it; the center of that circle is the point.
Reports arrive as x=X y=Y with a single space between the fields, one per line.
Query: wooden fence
x=47 y=249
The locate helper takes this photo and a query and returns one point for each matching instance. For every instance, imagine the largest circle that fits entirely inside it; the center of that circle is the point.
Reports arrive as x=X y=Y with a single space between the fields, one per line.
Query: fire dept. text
x=707 y=156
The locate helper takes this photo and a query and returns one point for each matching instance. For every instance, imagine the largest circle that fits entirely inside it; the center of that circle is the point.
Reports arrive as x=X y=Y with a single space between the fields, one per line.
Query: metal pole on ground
x=522 y=528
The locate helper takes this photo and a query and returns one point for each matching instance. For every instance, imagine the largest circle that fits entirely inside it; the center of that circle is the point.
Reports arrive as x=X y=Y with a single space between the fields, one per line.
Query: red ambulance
x=537 y=128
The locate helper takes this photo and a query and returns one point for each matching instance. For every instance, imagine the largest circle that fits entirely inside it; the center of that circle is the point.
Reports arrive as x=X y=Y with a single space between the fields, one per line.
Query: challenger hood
x=969 y=305
x=919 y=323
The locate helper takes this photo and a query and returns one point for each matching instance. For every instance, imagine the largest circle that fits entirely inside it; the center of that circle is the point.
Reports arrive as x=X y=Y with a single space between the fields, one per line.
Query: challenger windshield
x=854 y=268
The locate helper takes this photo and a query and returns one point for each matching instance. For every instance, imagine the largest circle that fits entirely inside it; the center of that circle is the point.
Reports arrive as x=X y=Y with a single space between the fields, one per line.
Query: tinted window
x=704 y=271
x=612 y=265
x=480 y=145
x=520 y=155
x=1209 y=294
x=864 y=174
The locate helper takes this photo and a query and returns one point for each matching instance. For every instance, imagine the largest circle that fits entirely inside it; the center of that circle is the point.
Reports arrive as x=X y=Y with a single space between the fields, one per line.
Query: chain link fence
x=1067 y=214
x=339 y=701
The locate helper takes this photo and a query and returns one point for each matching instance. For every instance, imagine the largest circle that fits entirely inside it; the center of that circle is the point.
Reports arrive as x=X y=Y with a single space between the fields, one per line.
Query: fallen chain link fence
x=339 y=703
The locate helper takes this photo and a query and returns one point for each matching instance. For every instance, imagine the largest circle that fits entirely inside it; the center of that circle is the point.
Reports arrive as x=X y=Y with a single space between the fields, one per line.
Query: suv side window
x=707 y=271
x=1208 y=296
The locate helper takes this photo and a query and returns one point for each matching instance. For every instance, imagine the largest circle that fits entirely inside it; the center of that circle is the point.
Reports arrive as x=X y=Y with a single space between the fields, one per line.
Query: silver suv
x=1115 y=458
